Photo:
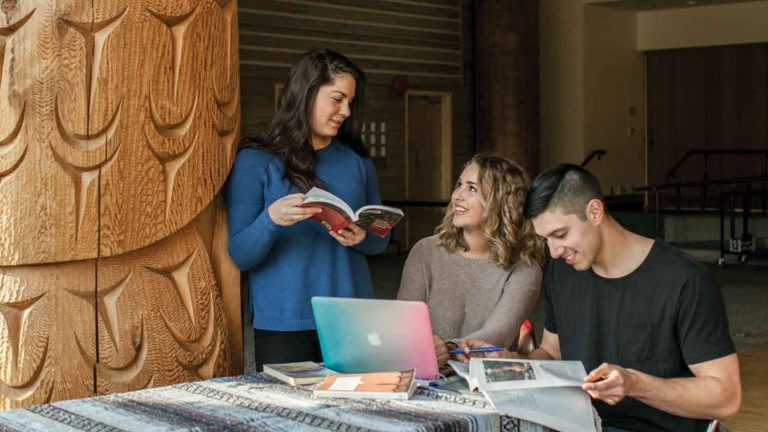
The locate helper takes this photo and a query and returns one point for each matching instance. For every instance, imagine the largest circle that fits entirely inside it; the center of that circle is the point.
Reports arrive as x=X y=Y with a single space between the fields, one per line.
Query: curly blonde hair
x=503 y=185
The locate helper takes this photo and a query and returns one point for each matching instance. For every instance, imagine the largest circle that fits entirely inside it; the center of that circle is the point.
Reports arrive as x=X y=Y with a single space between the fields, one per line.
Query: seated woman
x=480 y=273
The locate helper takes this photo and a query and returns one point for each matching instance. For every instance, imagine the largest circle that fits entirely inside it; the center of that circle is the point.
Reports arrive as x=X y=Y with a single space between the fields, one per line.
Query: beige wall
x=614 y=77
x=591 y=73
x=727 y=24
x=561 y=78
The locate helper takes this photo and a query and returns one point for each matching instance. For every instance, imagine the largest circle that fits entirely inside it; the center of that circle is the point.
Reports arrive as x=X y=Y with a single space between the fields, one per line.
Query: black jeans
x=285 y=347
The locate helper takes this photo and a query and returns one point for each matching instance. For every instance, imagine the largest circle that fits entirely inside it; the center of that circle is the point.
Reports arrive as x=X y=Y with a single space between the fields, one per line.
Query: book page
x=462 y=370
x=317 y=195
x=560 y=408
x=378 y=219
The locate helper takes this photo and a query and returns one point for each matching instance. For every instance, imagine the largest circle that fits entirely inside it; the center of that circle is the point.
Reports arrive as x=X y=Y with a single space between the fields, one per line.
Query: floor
x=745 y=291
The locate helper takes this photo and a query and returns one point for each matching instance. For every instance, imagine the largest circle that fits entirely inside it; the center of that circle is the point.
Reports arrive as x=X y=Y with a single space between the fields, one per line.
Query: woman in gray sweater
x=480 y=274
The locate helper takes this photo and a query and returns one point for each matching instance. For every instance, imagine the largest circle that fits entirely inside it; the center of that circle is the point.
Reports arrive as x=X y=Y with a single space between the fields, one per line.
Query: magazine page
x=515 y=374
x=559 y=408
x=462 y=370
x=378 y=219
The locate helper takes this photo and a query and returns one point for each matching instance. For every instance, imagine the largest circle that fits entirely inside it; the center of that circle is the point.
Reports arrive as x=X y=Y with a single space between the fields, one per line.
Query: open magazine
x=547 y=392
x=337 y=214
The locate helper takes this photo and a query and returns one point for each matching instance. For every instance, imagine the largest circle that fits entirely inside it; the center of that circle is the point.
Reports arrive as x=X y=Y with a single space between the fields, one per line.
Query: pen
x=476 y=350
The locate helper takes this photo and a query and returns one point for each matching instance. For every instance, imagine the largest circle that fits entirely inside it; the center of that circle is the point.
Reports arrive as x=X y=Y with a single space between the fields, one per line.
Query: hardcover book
x=299 y=373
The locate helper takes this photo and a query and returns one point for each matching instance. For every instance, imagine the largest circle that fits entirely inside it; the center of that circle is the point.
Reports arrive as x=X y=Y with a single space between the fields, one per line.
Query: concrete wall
x=727 y=24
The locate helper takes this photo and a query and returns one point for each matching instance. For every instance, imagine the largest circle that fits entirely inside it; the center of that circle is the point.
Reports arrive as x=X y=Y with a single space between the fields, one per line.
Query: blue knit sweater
x=288 y=265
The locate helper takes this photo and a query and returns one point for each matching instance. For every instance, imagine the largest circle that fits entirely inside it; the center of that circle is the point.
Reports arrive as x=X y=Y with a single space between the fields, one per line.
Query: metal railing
x=703 y=183
x=599 y=153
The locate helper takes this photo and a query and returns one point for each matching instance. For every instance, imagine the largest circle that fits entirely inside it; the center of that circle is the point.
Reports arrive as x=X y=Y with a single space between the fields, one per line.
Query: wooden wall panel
x=707 y=98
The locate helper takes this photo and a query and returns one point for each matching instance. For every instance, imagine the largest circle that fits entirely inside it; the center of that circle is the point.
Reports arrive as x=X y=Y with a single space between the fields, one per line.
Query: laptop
x=362 y=335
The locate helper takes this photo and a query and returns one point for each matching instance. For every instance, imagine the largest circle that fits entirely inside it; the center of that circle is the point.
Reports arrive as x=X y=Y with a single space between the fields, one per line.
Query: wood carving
x=119 y=122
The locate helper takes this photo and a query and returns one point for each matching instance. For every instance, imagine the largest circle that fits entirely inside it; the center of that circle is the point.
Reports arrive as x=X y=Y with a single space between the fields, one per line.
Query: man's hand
x=608 y=383
x=441 y=350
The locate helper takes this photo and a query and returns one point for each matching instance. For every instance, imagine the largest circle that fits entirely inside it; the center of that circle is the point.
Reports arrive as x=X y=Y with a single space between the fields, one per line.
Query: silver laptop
x=361 y=335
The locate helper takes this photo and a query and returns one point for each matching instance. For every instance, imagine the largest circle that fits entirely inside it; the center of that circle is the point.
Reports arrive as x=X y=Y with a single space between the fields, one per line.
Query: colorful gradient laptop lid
x=361 y=335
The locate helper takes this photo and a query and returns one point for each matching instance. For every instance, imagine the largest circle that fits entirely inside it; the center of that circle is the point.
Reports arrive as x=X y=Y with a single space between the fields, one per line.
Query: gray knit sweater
x=469 y=298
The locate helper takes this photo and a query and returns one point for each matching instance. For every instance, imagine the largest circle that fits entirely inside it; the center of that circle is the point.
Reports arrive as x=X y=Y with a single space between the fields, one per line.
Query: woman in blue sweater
x=313 y=140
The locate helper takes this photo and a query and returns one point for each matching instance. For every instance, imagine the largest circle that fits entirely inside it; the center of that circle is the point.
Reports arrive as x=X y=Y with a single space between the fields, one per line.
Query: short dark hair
x=567 y=187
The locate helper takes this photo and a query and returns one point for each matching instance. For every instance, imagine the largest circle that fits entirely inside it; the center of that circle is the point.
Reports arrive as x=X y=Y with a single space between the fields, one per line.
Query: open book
x=376 y=385
x=299 y=373
x=544 y=392
x=336 y=214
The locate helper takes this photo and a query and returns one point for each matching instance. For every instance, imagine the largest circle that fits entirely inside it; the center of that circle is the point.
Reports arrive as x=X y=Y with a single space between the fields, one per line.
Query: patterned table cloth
x=260 y=403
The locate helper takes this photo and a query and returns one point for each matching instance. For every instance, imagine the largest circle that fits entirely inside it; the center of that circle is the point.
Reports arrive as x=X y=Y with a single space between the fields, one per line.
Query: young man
x=647 y=320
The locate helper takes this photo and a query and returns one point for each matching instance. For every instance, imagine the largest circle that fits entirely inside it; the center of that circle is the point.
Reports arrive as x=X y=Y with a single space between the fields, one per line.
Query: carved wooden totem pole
x=118 y=126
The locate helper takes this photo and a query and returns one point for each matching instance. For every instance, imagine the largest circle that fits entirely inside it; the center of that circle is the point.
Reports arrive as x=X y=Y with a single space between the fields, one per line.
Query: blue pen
x=476 y=350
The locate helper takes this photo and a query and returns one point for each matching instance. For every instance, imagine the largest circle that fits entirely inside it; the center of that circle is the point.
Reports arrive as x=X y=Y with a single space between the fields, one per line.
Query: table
x=260 y=403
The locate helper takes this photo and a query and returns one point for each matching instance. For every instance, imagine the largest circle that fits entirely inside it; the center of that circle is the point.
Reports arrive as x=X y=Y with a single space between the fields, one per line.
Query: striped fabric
x=260 y=403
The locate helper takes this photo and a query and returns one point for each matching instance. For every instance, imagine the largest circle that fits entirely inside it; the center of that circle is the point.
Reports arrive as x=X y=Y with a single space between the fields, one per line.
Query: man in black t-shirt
x=647 y=321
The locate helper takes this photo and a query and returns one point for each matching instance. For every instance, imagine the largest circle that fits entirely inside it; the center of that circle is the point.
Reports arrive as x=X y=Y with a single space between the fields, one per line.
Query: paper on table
x=345 y=383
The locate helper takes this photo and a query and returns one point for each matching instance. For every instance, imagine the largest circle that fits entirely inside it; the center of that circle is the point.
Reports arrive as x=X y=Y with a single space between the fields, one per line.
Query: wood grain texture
x=118 y=125
x=228 y=277
x=752 y=417
x=171 y=68
x=507 y=68
x=42 y=322
x=168 y=316
x=47 y=167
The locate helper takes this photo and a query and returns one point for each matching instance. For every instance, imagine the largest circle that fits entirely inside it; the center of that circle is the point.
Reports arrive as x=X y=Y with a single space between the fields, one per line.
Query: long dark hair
x=290 y=132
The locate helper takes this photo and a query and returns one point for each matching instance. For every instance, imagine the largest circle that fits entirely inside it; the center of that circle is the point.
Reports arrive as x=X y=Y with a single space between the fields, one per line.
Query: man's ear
x=595 y=211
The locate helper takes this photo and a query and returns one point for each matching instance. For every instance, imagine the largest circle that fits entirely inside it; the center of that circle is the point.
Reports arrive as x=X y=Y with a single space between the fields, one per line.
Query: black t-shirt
x=665 y=315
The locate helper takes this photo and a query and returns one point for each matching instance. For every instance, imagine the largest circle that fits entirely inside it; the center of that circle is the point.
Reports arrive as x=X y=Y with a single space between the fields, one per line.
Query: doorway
x=428 y=159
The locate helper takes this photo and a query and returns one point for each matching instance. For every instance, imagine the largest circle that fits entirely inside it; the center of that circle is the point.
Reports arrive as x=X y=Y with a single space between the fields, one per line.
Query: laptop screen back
x=362 y=335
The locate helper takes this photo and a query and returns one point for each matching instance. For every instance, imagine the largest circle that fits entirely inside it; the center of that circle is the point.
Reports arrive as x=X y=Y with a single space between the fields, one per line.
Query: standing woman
x=480 y=274
x=313 y=140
